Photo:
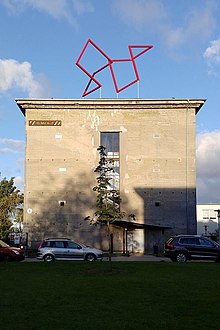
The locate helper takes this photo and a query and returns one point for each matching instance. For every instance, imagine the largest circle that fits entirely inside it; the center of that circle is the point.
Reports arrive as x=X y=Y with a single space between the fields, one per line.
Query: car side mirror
x=79 y=247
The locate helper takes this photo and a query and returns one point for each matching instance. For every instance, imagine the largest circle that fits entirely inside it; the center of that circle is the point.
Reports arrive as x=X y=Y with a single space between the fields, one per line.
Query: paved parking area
x=145 y=257
x=133 y=257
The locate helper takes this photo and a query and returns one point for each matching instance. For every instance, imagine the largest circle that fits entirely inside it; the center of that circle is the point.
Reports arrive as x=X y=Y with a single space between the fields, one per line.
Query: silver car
x=52 y=249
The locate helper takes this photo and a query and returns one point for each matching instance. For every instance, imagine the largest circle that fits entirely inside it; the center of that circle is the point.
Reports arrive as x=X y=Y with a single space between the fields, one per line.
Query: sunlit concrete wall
x=157 y=167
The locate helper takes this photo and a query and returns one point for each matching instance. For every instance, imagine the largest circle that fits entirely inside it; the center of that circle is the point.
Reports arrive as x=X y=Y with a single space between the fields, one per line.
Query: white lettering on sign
x=45 y=123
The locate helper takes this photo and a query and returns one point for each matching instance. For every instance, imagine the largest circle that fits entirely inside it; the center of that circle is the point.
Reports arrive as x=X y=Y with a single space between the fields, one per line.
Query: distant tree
x=214 y=235
x=108 y=200
x=10 y=199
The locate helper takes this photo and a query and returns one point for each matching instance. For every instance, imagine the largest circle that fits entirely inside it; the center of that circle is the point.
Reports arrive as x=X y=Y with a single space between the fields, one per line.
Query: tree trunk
x=109 y=245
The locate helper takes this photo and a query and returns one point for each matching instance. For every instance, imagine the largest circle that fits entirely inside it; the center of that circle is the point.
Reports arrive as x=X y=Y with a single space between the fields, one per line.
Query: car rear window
x=45 y=244
x=187 y=241
x=57 y=244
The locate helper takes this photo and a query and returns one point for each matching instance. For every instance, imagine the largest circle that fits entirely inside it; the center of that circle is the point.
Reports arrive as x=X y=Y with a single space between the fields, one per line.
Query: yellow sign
x=45 y=123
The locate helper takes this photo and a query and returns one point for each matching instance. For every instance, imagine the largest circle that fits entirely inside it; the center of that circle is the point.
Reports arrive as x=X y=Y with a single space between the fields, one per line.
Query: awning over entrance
x=137 y=225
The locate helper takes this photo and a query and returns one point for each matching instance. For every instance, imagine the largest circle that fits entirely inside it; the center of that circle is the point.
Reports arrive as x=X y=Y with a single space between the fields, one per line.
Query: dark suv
x=191 y=247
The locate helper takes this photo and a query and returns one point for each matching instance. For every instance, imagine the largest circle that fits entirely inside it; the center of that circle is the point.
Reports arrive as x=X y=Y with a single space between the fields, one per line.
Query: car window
x=59 y=244
x=72 y=245
x=205 y=242
x=46 y=244
x=187 y=241
x=3 y=244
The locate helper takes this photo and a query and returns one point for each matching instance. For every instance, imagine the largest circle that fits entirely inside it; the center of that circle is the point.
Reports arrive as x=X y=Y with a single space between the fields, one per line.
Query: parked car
x=181 y=248
x=9 y=253
x=52 y=249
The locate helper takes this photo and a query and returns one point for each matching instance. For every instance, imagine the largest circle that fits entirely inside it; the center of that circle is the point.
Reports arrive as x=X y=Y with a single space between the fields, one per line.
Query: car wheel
x=90 y=257
x=48 y=258
x=181 y=257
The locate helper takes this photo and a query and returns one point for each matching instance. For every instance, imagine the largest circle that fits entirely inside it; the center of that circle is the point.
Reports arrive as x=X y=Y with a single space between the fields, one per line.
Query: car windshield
x=83 y=245
x=214 y=242
x=3 y=244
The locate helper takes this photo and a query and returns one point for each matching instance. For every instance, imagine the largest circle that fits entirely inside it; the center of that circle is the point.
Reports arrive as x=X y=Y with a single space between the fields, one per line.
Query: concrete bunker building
x=152 y=142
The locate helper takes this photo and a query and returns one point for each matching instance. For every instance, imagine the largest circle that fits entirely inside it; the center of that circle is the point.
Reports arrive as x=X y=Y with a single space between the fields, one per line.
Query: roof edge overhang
x=24 y=104
x=136 y=225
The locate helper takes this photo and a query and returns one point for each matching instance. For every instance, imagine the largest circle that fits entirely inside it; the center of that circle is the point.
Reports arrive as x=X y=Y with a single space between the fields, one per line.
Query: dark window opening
x=110 y=140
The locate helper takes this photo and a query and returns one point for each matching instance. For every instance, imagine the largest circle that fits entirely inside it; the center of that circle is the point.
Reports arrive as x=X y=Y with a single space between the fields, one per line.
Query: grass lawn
x=135 y=295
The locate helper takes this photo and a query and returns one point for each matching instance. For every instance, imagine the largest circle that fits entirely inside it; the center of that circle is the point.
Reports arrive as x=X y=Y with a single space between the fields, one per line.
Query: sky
x=41 y=40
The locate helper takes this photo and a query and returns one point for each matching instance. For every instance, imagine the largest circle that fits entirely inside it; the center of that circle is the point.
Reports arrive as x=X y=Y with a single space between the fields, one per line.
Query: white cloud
x=193 y=24
x=11 y=145
x=12 y=160
x=19 y=183
x=200 y=21
x=208 y=169
x=82 y=7
x=19 y=75
x=58 y=9
x=55 y=8
x=140 y=13
x=212 y=53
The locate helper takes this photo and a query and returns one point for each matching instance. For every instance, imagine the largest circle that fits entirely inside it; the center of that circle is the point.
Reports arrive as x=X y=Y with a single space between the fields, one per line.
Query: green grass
x=136 y=295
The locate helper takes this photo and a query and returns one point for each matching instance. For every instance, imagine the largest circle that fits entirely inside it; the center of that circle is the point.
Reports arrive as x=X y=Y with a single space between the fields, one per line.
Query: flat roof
x=123 y=104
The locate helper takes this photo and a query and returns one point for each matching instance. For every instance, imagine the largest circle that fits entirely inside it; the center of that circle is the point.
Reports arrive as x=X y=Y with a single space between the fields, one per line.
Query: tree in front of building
x=108 y=200
x=10 y=199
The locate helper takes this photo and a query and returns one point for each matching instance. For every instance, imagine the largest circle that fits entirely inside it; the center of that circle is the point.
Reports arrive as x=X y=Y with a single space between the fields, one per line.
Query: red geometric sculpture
x=109 y=63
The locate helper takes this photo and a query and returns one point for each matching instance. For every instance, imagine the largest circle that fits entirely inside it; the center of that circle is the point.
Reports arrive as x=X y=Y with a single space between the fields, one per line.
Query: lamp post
x=218 y=215
x=206 y=232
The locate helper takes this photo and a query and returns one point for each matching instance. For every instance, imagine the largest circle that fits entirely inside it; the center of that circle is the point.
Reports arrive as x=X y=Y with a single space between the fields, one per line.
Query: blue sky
x=40 y=41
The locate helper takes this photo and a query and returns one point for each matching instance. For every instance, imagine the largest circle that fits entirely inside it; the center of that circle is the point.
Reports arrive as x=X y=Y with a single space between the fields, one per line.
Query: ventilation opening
x=62 y=203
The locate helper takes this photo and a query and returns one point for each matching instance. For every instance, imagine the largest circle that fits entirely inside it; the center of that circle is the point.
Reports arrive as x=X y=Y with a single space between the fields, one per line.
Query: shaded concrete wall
x=157 y=167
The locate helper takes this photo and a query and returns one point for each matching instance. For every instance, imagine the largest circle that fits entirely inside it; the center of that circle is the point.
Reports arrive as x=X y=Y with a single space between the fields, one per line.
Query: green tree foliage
x=10 y=199
x=108 y=201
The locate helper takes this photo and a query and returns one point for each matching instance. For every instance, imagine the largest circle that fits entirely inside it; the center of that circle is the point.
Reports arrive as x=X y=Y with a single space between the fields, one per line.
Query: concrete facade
x=157 y=168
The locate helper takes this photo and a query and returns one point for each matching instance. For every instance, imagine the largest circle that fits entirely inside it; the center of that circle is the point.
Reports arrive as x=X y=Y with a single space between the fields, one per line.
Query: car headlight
x=15 y=251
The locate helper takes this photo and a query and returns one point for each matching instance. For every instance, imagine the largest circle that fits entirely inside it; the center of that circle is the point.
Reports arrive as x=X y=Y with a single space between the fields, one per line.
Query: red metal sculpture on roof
x=109 y=63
